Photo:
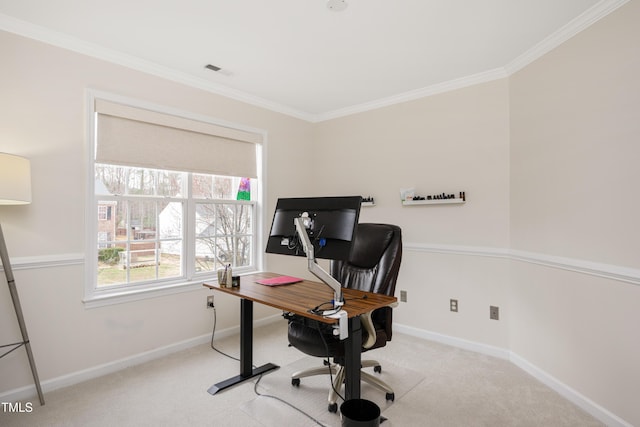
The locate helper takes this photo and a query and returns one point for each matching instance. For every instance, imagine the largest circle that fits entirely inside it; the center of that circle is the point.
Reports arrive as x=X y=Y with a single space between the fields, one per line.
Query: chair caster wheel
x=391 y=396
x=295 y=382
x=377 y=368
x=333 y=407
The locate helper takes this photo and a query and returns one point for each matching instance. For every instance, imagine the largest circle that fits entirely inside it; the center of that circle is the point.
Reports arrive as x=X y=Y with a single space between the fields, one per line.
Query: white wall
x=547 y=158
x=575 y=121
x=457 y=141
x=42 y=117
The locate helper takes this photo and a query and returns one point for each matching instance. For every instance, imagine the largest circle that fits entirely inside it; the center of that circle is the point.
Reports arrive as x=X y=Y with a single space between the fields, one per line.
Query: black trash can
x=360 y=413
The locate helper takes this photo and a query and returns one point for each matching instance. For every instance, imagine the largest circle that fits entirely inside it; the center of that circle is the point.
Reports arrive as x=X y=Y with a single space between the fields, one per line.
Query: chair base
x=338 y=373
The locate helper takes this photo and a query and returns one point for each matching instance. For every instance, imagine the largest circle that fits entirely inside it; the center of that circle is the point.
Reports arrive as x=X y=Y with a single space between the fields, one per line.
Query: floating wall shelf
x=432 y=202
x=368 y=201
x=438 y=199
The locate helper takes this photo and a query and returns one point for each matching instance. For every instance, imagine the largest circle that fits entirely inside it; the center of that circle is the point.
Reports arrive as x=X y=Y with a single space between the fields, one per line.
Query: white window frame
x=96 y=297
x=103 y=213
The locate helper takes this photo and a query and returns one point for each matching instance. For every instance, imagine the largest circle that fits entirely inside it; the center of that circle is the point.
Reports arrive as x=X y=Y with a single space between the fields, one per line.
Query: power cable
x=255 y=387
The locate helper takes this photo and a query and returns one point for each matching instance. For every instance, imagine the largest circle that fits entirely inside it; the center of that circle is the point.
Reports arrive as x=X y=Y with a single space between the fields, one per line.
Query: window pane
x=225 y=215
x=243 y=251
x=110 y=179
x=224 y=250
x=205 y=255
x=205 y=220
x=223 y=235
x=214 y=187
x=202 y=186
x=141 y=181
x=143 y=266
x=171 y=220
x=112 y=245
x=109 y=272
x=142 y=254
x=223 y=187
x=243 y=219
x=170 y=260
x=170 y=184
x=142 y=220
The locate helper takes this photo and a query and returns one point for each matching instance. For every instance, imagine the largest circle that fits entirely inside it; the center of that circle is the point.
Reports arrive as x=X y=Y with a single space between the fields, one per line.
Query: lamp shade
x=15 y=180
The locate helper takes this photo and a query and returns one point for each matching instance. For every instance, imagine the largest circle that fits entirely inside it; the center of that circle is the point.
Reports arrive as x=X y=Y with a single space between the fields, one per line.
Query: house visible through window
x=148 y=240
x=176 y=223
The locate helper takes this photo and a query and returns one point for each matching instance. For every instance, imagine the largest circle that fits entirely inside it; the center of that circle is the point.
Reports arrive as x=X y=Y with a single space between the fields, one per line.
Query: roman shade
x=131 y=136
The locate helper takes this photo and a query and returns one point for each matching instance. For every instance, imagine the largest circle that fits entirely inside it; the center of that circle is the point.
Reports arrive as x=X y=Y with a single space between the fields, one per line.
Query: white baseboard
x=453 y=341
x=597 y=411
x=570 y=394
x=29 y=392
x=564 y=390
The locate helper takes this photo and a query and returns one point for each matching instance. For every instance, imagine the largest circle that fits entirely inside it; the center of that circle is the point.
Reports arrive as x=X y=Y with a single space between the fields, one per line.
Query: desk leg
x=246 y=351
x=246 y=337
x=352 y=362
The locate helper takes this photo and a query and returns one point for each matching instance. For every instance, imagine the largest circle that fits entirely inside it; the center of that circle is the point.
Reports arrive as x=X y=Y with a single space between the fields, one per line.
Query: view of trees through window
x=165 y=225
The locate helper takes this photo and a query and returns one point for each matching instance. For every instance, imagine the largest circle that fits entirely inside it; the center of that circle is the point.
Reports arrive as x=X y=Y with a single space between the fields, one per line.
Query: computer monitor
x=331 y=226
x=316 y=227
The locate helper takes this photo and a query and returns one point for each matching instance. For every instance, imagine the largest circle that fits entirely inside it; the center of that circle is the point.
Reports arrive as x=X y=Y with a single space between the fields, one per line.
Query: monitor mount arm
x=301 y=224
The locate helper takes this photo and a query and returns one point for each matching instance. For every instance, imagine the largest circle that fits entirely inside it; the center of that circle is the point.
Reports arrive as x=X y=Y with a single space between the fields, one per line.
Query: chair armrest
x=367 y=323
x=369 y=328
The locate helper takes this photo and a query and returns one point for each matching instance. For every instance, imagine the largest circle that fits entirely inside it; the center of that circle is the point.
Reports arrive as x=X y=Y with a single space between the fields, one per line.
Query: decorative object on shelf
x=368 y=201
x=435 y=199
x=15 y=189
x=407 y=194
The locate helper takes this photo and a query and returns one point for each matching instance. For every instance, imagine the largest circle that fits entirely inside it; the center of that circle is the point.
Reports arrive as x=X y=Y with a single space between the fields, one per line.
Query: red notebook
x=279 y=280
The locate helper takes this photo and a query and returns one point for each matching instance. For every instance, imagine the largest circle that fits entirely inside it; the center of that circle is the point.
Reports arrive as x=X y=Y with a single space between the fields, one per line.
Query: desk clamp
x=342 y=328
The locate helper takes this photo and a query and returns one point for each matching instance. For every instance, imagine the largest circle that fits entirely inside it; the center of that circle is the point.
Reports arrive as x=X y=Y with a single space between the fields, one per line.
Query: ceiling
x=303 y=59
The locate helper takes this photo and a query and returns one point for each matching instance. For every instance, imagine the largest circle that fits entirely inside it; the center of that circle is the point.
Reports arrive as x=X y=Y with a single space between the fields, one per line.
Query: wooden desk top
x=303 y=296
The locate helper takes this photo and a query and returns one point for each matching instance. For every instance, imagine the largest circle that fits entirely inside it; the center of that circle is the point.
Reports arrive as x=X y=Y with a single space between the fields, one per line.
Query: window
x=104 y=212
x=171 y=226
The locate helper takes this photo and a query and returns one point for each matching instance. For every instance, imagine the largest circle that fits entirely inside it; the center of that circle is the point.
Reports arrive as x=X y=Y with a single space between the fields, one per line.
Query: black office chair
x=373 y=266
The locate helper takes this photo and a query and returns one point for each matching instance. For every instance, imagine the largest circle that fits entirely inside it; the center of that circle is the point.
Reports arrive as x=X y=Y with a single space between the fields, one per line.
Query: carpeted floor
x=434 y=384
x=313 y=390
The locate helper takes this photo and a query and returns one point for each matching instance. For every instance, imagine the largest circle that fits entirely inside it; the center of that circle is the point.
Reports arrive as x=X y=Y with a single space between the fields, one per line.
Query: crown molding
x=54 y=38
x=486 y=76
x=573 y=27
x=578 y=24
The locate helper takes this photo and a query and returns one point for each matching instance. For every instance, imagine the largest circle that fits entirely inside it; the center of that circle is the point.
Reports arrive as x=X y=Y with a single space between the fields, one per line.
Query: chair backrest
x=373 y=266
x=374 y=261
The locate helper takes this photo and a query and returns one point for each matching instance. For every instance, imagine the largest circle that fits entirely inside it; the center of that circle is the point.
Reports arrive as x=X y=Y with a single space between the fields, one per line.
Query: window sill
x=110 y=297
x=104 y=297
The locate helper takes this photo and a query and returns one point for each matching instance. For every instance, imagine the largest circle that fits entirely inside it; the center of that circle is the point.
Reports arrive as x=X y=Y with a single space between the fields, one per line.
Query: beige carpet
x=311 y=396
x=436 y=385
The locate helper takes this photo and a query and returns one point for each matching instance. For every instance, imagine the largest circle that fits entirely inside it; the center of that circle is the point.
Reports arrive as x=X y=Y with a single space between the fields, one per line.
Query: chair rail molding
x=46 y=261
x=607 y=271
